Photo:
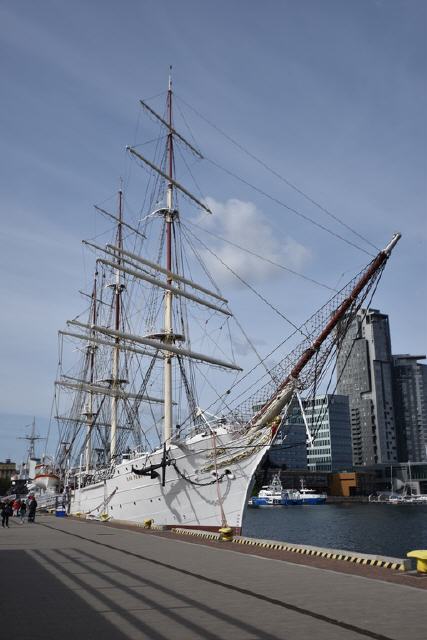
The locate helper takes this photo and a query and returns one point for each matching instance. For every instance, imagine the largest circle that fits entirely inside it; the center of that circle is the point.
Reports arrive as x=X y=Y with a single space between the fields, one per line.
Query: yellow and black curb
x=208 y=535
x=397 y=564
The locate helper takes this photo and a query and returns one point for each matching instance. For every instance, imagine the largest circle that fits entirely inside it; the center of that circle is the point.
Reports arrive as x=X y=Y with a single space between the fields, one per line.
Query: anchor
x=151 y=470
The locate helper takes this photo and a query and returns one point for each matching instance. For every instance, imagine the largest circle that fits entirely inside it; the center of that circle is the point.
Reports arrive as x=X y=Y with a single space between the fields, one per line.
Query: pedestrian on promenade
x=16 y=506
x=32 y=509
x=6 y=511
x=23 y=511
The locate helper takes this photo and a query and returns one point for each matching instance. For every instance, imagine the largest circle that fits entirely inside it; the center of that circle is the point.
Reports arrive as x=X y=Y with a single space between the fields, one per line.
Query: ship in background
x=157 y=420
x=36 y=476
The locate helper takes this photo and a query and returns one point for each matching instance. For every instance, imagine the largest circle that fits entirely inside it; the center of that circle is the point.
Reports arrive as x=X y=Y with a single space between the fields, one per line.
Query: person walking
x=16 y=506
x=32 y=509
x=22 y=511
x=6 y=512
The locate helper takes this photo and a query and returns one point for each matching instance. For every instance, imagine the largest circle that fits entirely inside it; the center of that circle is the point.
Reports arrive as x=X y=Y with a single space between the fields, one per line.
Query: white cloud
x=243 y=224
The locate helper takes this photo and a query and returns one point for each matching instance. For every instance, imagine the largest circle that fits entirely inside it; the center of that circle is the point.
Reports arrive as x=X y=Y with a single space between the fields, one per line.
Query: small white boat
x=309 y=496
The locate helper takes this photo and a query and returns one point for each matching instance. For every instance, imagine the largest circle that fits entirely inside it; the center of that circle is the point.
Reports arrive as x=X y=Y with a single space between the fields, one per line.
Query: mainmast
x=167 y=429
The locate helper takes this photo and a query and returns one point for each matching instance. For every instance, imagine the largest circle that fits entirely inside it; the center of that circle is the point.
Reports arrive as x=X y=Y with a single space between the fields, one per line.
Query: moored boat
x=310 y=496
x=273 y=495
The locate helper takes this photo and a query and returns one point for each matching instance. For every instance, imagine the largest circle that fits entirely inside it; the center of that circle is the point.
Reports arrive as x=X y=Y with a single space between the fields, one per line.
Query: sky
x=332 y=95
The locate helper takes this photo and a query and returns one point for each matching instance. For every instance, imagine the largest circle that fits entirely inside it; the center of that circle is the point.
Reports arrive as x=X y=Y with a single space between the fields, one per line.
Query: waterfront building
x=7 y=469
x=410 y=389
x=328 y=420
x=290 y=447
x=365 y=375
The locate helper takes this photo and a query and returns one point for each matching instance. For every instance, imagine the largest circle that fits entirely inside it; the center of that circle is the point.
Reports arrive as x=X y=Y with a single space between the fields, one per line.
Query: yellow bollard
x=226 y=533
x=421 y=557
x=148 y=523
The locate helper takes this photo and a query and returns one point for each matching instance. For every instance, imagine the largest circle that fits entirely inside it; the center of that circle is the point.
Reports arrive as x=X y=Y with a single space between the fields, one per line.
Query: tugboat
x=273 y=495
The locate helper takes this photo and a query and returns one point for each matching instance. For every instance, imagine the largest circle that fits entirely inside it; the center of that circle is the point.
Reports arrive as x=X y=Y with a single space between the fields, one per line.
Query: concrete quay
x=72 y=578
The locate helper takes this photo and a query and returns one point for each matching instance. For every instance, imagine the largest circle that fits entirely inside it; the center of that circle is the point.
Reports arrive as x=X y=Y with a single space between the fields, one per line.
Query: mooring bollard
x=421 y=557
x=226 y=533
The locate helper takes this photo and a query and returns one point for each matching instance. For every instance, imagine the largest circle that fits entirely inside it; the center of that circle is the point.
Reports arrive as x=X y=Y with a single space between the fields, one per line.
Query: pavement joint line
x=396 y=564
x=285 y=605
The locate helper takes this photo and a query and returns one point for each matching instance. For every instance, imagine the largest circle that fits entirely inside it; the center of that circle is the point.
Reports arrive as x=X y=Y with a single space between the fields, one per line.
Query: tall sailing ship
x=137 y=438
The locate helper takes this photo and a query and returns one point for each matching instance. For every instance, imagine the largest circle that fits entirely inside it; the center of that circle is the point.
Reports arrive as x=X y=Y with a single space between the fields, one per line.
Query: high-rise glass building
x=410 y=387
x=290 y=447
x=328 y=419
x=365 y=375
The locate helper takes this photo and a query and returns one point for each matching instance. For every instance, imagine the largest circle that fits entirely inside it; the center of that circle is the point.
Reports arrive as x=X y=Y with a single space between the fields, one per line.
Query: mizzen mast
x=118 y=288
x=88 y=410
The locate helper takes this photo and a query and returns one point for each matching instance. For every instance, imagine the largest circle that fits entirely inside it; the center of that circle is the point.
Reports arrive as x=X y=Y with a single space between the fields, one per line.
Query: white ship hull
x=196 y=500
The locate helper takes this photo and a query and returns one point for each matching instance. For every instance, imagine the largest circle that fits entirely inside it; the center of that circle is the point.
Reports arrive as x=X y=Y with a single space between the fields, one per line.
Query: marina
x=96 y=579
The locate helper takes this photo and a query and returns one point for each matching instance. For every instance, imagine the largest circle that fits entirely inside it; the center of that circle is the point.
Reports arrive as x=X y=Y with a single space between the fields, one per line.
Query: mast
x=89 y=407
x=32 y=438
x=116 y=349
x=167 y=428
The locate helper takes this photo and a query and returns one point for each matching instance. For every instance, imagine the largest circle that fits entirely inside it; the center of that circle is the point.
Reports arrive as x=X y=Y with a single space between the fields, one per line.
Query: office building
x=328 y=421
x=289 y=450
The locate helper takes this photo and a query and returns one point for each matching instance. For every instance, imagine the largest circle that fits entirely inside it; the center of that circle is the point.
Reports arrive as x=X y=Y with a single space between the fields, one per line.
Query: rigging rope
x=263 y=258
x=276 y=174
x=249 y=286
x=286 y=206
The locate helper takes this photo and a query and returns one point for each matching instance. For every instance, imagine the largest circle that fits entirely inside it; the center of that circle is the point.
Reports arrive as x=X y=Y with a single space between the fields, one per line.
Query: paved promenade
x=69 y=579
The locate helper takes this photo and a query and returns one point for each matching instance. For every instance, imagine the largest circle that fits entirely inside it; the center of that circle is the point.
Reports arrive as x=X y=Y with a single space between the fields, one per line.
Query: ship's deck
x=71 y=578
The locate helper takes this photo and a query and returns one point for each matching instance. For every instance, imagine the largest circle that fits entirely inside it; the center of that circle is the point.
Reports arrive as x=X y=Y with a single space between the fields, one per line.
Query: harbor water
x=383 y=529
